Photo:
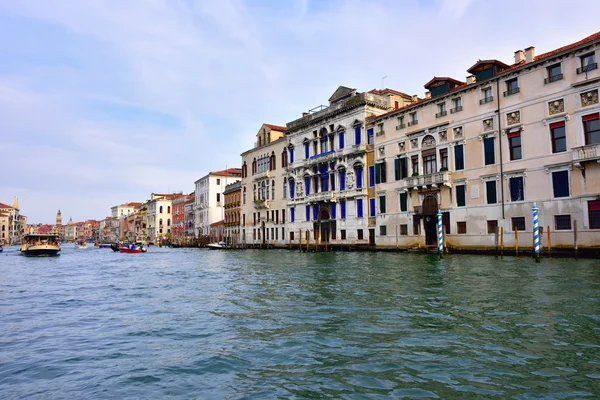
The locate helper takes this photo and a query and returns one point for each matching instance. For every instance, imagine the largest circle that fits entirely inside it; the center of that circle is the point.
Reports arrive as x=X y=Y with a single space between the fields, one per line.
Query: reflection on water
x=189 y=323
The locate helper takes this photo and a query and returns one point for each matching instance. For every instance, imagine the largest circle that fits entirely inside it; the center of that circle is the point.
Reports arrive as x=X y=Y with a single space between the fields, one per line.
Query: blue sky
x=103 y=101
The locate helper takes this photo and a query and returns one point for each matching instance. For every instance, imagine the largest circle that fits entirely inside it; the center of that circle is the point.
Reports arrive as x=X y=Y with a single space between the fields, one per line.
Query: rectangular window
x=490 y=187
x=594 y=214
x=359 y=208
x=382 y=204
x=456 y=105
x=559 y=137
x=332 y=181
x=333 y=210
x=341 y=137
x=441 y=110
x=292 y=189
x=372 y=176
x=492 y=225
x=404 y=230
x=416 y=225
x=588 y=63
x=560 y=183
x=360 y=234
x=512 y=87
x=382 y=230
x=359 y=177
x=554 y=73
x=415 y=165
x=404 y=201
x=461 y=227
x=343 y=208
x=307 y=185
x=444 y=159
x=316 y=212
x=429 y=163
x=518 y=223
x=489 y=152
x=461 y=196
x=343 y=234
x=307 y=212
x=291 y=156
x=380 y=176
x=342 y=180
x=292 y=214
x=413 y=119
x=514 y=145
x=218 y=197
x=459 y=158
x=486 y=96
x=591 y=128
x=372 y=211
x=400 y=168
x=370 y=136
x=357 y=135
x=306 y=150
x=562 y=222
x=517 y=192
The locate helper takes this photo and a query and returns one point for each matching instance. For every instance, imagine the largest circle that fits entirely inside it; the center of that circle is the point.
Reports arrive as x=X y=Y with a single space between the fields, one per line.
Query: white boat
x=82 y=245
x=40 y=245
x=217 y=246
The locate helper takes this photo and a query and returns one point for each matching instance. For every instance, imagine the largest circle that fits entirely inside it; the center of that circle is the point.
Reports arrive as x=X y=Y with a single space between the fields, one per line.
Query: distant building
x=232 y=194
x=209 y=197
x=160 y=217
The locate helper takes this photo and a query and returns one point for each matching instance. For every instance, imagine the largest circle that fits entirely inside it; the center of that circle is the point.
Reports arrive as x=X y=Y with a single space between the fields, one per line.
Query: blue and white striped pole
x=536 y=233
x=440 y=234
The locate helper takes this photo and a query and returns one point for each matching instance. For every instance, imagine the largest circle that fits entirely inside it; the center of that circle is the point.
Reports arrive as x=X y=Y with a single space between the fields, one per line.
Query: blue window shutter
x=292 y=189
x=306 y=150
x=343 y=208
x=372 y=207
x=291 y=156
x=308 y=213
x=359 y=208
x=341 y=140
x=372 y=176
x=359 y=177
x=459 y=160
x=293 y=214
x=316 y=212
x=343 y=180
x=333 y=210
x=307 y=184
x=357 y=135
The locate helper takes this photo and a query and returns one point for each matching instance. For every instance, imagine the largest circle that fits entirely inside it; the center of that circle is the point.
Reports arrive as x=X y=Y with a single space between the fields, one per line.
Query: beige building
x=263 y=190
x=330 y=152
x=159 y=216
x=484 y=151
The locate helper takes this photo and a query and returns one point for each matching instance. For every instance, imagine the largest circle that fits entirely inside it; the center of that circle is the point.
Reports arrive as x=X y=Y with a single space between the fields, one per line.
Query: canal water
x=191 y=323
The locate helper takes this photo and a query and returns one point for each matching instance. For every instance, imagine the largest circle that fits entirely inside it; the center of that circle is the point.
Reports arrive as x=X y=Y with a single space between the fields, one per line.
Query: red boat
x=124 y=249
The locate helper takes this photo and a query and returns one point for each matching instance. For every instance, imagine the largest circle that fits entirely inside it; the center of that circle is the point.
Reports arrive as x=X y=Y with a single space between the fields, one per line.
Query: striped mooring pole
x=440 y=235
x=536 y=233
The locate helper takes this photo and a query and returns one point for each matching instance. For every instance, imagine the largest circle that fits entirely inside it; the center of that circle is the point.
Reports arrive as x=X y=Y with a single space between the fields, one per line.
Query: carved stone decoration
x=428 y=141
x=402 y=146
x=488 y=124
x=414 y=143
x=458 y=132
x=381 y=151
x=299 y=189
x=556 y=106
x=513 y=117
x=350 y=180
x=443 y=136
x=589 y=98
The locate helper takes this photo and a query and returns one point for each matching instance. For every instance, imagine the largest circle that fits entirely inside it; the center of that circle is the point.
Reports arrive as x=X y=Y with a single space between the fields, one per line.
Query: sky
x=104 y=102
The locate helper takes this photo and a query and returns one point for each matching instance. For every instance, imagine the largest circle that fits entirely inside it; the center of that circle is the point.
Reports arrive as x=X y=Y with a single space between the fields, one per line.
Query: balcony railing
x=441 y=114
x=261 y=204
x=380 y=133
x=485 y=100
x=413 y=122
x=456 y=109
x=553 y=78
x=586 y=153
x=587 y=68
x=512 y=91
x=438 y=178
x=401 y=126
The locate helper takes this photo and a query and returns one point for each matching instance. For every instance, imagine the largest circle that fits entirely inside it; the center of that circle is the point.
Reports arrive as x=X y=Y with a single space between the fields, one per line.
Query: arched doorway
x=324 y=225
x=429 y=211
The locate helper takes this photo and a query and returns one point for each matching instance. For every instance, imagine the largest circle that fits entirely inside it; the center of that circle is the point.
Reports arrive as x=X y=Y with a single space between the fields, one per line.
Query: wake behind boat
x=40 y=245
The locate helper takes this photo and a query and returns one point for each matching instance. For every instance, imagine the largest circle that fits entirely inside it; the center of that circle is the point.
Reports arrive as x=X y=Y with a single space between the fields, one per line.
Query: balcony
x=587 y=68
x=455 y=110
x=433 y=180
x=261 y=204
x=401 y=126
x=512 y=91
x=553 y=78
x=413 y=122
x=586 y=153
x=485 y=100
x=261 y=175
x=380 y=133
x=441 y=114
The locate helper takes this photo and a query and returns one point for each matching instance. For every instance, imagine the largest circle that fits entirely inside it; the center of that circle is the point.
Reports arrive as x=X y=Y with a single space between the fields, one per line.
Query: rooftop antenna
x=382 y=79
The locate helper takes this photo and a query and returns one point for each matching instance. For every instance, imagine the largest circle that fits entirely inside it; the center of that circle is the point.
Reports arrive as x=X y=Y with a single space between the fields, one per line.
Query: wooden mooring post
x=496 y=235
x=501 y=241
x=575 y=238
x=549 y=242
x=517 y=241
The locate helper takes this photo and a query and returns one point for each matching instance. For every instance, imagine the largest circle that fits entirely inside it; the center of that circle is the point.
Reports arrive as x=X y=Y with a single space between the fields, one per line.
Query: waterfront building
x=263 y=197
x=208 y=208
x=160 y=217
x=118 y=215
x=484 y=151
x=190 y=229
x=4 y=224
x=179 y=218
x=105 y=230
x=70 y=231
x=59 y=228
x=232 y=198
x=328 y=159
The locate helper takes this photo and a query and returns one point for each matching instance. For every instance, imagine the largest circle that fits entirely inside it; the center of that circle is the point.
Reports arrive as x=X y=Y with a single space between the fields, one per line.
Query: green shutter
x=397 y=169
x=377 y=173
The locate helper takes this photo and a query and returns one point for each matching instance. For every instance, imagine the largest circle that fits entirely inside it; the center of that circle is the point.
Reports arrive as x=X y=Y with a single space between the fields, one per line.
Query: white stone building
x=209 y=203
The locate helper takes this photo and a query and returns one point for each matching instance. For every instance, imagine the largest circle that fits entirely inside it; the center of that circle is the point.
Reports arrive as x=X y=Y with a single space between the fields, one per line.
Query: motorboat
x=218 y=246
x=40 y=245
x=104 y=246
x=132 y=249
x=82 y=245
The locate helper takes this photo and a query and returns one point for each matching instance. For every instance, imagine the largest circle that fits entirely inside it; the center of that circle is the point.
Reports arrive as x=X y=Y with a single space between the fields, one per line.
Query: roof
x=483 y=62
x=341 y=92
x=165 y=196
x=390 y=91
x=276 y=127
x=2 y=205
x=216 y=224
x=589 y=39
x=442 y=79
x=228 y=172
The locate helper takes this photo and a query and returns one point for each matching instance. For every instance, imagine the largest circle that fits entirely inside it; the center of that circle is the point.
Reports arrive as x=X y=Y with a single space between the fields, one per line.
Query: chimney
x=304 y=114
x=529 y=54
x=519 y=56
x=428 y=94
x=470 y=79
x=415 y=98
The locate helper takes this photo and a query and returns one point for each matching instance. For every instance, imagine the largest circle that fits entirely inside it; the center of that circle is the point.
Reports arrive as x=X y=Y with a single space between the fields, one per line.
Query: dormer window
x=486 y=95
x=512 y=87
x=441 y=110
x=554 y=73
x=588 y=63
x=413 y=119
x=456 y=105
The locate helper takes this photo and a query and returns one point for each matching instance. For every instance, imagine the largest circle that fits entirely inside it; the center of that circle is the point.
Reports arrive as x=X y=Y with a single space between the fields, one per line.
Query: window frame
x=555 y=139
x=568 y=174
x=515 y=151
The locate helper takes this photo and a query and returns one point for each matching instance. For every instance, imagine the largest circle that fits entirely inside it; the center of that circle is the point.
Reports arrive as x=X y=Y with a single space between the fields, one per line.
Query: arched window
x=244 y=194
x=284 y=159
x=284 y=188
x=292 y=189
x=273 y=190
x=267 y=189
x=169 y=222
x=168 y=209
x=244 y=170
x=160 y=209
x=273 y=162
x=254 y=166
x=160 y=223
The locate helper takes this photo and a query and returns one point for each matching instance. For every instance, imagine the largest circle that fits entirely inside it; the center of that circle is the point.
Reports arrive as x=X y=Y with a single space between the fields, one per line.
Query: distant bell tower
x=58 y=218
